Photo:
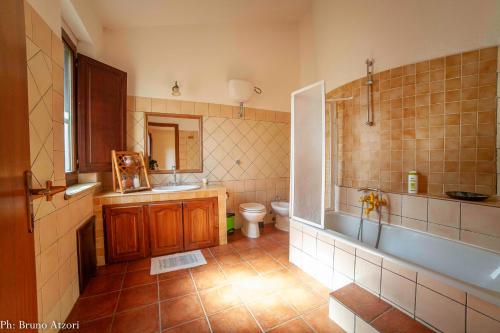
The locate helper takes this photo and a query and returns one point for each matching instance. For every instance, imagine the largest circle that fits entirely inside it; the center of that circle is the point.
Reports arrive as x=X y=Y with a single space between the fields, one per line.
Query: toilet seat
x=252 y=207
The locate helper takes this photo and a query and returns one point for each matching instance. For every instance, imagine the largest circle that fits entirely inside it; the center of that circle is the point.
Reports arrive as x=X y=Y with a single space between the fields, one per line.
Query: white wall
x=204 y=57
x=393 y=32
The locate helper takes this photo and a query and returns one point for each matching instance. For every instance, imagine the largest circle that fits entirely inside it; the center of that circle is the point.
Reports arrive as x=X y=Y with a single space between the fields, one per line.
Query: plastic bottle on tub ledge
x=412 y=182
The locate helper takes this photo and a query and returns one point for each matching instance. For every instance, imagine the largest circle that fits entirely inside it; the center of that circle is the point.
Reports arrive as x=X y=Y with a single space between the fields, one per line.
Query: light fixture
x=176 y=90
x=241 y=91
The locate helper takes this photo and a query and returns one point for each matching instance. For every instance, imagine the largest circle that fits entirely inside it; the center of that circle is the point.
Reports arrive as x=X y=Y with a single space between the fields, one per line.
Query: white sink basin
x=280 y=207
x=175 y=188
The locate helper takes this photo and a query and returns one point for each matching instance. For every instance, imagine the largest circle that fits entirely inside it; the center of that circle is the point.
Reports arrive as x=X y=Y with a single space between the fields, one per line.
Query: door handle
x=29 y=202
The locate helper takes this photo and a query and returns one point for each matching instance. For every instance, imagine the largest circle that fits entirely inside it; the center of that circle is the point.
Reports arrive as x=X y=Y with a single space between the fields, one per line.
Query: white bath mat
x=174 y=262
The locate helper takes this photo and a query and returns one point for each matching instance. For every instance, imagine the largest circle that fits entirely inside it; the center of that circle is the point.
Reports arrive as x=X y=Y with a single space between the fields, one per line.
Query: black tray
x=469 y=196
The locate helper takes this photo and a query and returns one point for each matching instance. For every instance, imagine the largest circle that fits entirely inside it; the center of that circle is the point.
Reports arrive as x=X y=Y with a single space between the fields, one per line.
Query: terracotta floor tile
x=320 y=289
x=176 y=287
x=244 y=245
x=281 y=279
x=209 y=278
x=293 y=326
x=90 y=308
x=139 y=265
x=271 y=311
x=137 y=296
x=238 y=271
x=251 y=254
x=219 y=298
x=139 y=320
x=137 y=278
x=361 y=302
x=265 y=264
x=195 y=326
x=103 y=284
x=251 y=289
x=180 y=310
x=319 y=320
x=282 y=237
x=228 y=259
x=222 y=249
x=396 y=321
x=278 y=250
x=96 y=326
x=234 y=320
x=173 y=274
x=303 y=299
x=111 y=269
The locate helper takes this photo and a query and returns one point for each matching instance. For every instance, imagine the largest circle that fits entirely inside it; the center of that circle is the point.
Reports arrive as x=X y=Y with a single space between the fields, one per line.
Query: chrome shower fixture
x=369 y=83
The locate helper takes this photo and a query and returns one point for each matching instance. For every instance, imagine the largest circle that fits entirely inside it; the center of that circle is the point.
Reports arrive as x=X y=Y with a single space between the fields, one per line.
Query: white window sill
x=80 y=189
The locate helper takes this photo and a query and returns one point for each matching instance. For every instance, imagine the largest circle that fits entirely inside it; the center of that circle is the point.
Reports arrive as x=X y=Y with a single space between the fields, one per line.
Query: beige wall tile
x=479 y=323
x=57 y=50
x=49 y=263
x=58 y=79
x=414 y=207
x=142 y=104
x=484 y=307
x=449 y=318
x=214 y=110
x=400 y=270
x=488 y=223
x=42 y=35
x=158 y=105
x=187 y=107
x=368 y=275
x=444 y=212
x=443 y=231
x=427 y=281
x=481 y=240
x=414 y=224
x=344 y=263
x=398 y=290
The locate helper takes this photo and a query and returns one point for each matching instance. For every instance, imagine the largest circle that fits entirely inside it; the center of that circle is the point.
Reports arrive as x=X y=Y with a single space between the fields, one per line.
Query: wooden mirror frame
x=147 y=115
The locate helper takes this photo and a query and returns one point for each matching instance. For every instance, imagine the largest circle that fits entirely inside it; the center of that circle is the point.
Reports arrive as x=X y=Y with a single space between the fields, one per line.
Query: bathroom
x=309 y=146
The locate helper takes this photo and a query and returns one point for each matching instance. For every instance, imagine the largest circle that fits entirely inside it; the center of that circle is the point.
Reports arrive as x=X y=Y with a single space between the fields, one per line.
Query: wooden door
x=101 y=109
x=165 y=228
x=126 y=232
x=201 y=225
x=17 y=253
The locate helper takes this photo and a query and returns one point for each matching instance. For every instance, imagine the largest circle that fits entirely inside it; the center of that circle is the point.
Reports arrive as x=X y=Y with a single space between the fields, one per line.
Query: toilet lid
x=252 y=206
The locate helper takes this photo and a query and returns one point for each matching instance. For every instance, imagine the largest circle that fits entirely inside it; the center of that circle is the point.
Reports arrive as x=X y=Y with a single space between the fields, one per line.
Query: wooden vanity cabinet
x=126 y=233
x=165 y=228
x=201 y=226
x=135 y=231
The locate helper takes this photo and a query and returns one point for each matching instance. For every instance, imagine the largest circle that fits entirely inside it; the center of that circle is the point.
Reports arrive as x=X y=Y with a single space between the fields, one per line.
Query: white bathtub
x=469 y=268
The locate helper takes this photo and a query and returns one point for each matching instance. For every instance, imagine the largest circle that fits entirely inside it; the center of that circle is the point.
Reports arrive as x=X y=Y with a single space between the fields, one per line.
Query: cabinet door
x=125 y=233
x=165 y=228
x=101 y=109
x=201 y=226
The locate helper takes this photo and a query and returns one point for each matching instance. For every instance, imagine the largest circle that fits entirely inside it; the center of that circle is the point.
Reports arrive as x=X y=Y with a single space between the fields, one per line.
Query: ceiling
x=115 y=14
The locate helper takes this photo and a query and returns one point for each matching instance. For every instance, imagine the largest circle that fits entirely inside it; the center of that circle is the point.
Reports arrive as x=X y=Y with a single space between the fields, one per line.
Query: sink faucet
x=174 y=167
x=277 y=198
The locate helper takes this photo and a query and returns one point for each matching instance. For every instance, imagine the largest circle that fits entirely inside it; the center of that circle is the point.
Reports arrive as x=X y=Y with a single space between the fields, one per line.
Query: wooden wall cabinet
x=136 y=231
x=101 y=113
x=126 y=231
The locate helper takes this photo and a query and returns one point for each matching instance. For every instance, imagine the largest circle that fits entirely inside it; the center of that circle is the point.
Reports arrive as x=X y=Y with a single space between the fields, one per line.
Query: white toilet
x=281 y=208
x=252 y=213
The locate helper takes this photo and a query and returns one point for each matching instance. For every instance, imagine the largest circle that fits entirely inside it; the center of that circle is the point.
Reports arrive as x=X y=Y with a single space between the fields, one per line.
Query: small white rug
x=174 y=262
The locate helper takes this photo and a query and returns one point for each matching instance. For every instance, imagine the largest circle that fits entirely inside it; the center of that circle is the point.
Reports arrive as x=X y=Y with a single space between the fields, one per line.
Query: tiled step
x=357 y=310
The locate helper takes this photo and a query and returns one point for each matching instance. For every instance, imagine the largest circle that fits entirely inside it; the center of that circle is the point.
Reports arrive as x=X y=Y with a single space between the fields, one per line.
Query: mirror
x=174 y=140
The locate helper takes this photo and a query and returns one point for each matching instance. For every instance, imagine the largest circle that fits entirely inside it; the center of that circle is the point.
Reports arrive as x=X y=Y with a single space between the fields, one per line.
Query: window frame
x=72 y=176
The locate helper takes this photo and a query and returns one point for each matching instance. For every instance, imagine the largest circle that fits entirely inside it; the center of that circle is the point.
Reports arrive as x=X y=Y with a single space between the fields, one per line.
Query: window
x=70 y=161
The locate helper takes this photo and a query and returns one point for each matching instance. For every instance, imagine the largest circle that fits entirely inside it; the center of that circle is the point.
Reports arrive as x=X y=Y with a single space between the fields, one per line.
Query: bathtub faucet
x=373 y=202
